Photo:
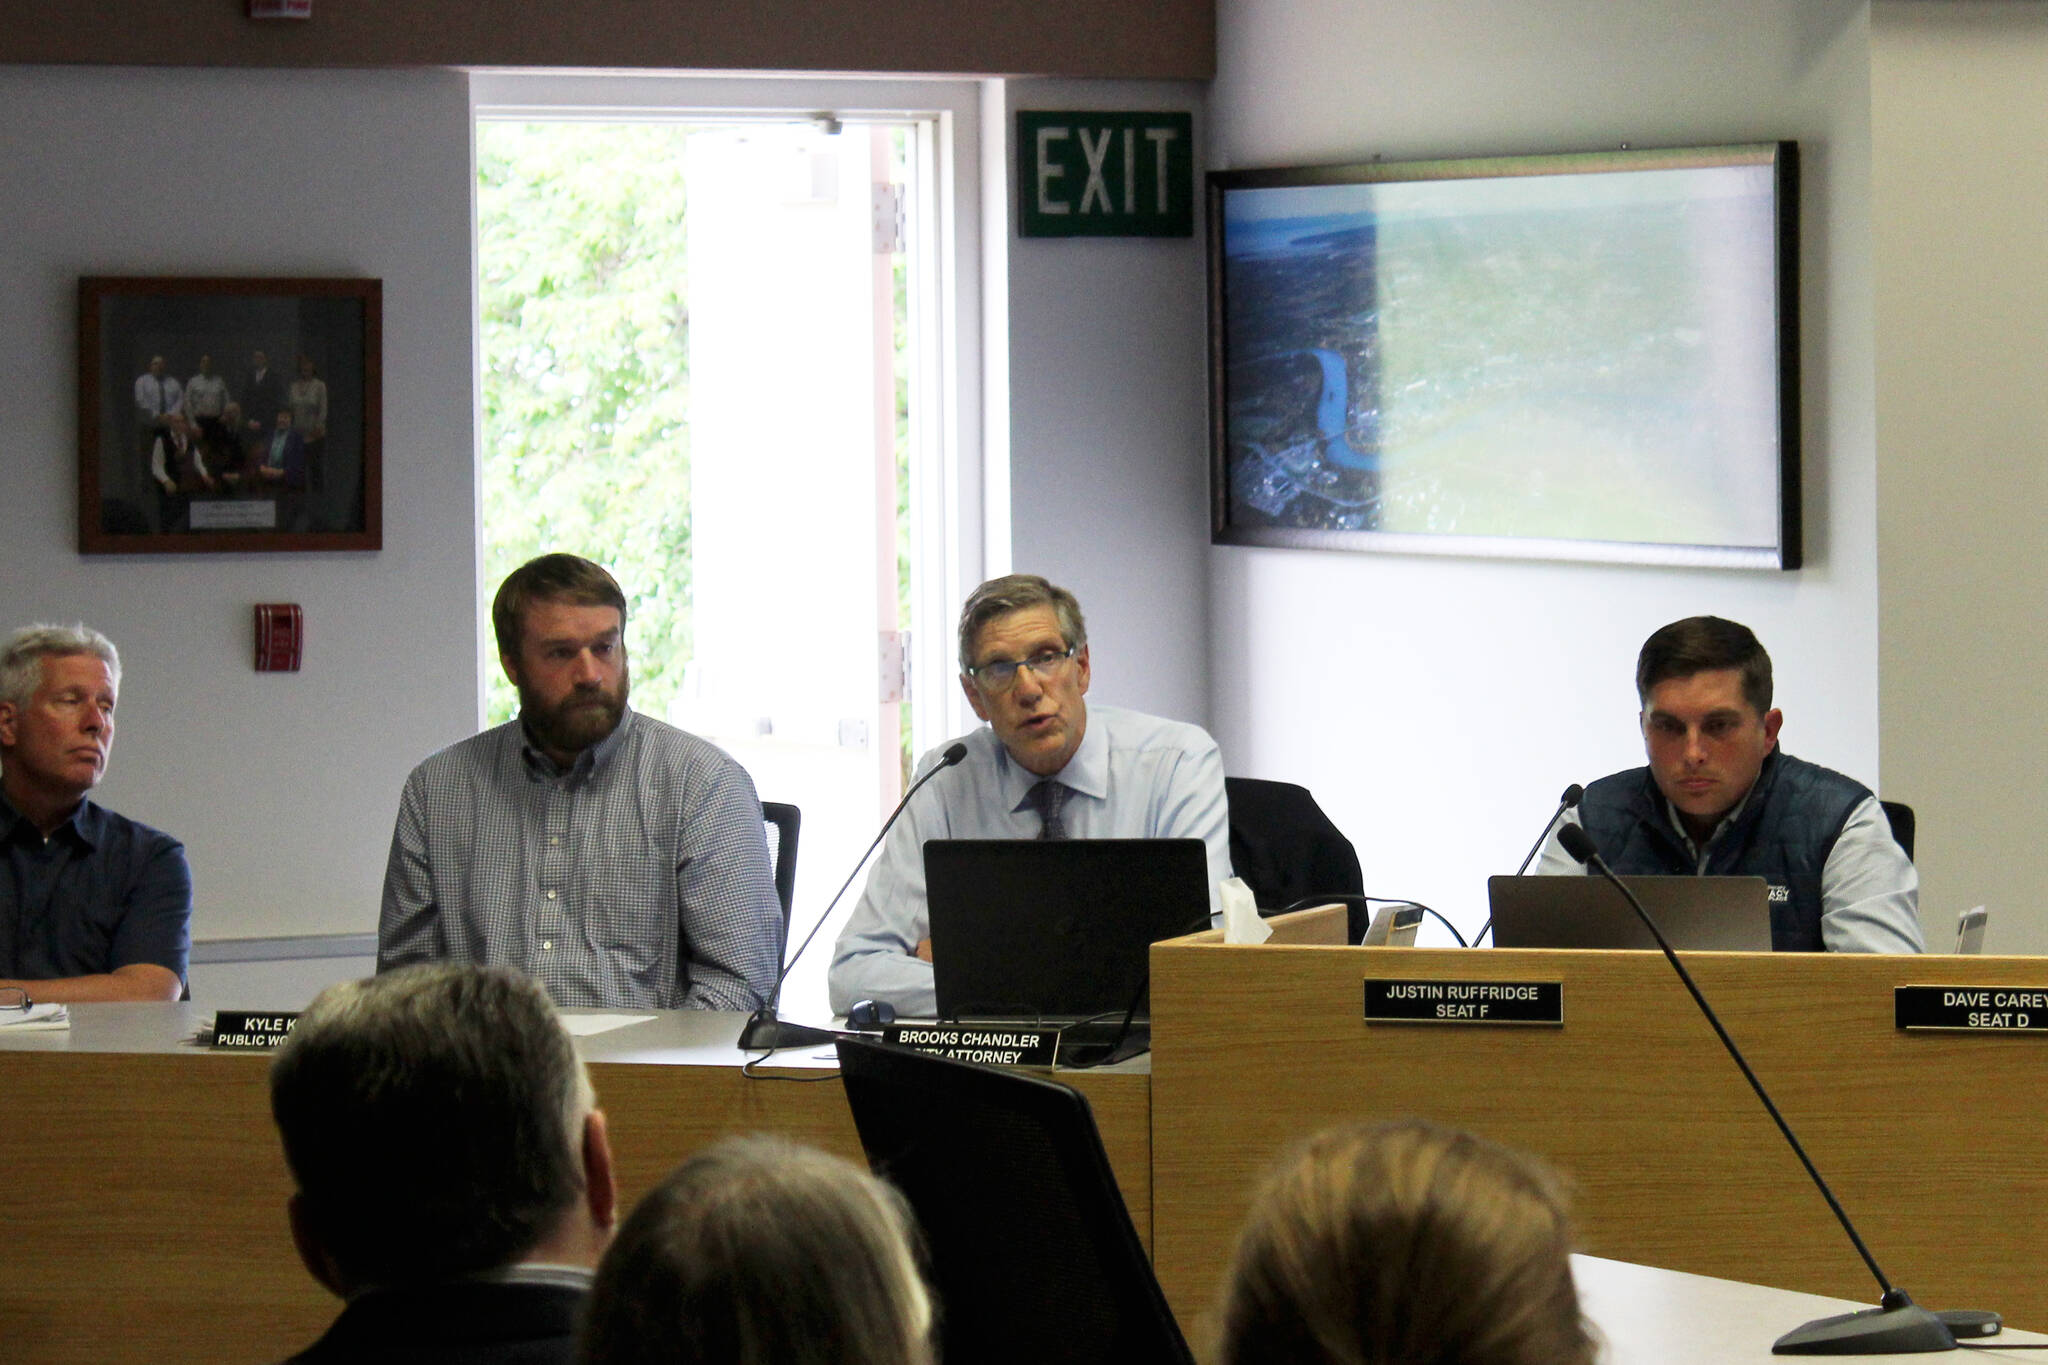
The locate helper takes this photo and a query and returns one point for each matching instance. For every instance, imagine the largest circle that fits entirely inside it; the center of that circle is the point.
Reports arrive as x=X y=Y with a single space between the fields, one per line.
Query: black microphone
x=765 y=1032
x=1571 y=798
x=1897 y=1324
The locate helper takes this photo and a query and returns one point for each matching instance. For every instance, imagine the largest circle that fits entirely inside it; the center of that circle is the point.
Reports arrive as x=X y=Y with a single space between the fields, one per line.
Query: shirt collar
x=587 y=762
x=520 y=1272
x=85 y=823
x=1734 y=814
x=1087 y=772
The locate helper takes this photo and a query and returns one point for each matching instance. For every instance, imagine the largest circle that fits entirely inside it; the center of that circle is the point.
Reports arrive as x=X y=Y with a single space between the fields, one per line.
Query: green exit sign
x=1094 y=174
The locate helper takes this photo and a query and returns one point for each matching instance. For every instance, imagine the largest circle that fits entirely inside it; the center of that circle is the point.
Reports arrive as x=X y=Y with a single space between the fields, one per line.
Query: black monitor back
x=1033 y=1255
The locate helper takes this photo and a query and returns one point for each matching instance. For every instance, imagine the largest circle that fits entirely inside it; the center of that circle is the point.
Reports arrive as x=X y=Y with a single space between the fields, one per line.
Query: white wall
x=283 y=786
x=1108 y=483
x=1961 y=253
x=1437 y=706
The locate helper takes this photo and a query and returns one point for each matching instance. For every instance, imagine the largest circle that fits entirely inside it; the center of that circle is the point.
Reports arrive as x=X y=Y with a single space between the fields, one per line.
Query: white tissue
x=1241 y=922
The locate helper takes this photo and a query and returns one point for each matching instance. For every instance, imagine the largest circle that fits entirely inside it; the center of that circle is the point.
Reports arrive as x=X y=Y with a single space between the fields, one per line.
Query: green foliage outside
x=585 y=357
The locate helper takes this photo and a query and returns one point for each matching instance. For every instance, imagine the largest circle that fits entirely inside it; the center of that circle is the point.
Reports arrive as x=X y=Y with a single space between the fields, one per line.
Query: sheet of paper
x=35 y=1019
x=583 y=1025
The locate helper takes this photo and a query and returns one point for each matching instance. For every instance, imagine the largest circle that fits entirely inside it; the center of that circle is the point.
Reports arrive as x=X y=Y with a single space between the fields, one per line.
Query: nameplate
x=1463 y=1002
x=998 y=1044
x=252 y=1032
x=1971 y=1009
x=238 y=515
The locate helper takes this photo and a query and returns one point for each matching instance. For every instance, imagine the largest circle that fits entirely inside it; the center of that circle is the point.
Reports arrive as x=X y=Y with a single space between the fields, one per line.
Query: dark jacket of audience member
x=454 y=1181
x=757 y=1251
x=1405 y=1242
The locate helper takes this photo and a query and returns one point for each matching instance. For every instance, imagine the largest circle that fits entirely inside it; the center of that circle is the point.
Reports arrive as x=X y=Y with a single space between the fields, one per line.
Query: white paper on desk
x=583 y=1025
x=35 y=1019
x=1241 y=922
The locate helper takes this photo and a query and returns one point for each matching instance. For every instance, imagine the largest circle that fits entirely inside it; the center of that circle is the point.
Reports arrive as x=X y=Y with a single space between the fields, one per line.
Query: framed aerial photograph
x=225 y=415
x=1583 y=356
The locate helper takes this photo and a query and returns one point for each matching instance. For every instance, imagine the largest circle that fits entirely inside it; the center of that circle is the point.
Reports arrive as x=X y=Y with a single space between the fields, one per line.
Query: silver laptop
x=1712 y=914
x=1970 y=929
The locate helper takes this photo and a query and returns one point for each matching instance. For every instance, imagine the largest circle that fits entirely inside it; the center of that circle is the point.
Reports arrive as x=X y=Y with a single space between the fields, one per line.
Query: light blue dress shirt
x=1134 y=777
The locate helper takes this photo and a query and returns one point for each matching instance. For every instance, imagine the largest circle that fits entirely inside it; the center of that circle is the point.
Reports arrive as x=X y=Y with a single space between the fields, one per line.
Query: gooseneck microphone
x=1897 y=1324
x=1568 y=801
x=766 y=1032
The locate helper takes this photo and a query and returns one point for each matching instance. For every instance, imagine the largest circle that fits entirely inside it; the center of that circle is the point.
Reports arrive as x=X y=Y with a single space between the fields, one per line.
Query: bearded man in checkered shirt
x=619 y=860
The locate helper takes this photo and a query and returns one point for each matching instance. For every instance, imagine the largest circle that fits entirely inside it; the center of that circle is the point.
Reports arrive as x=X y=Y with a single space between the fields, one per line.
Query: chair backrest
x=1283 y=845
x=784 y=821
x=1903 y=823
x=1033 y=1254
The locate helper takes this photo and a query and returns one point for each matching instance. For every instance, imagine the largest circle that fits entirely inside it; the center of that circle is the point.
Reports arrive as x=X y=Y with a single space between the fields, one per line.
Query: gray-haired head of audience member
x=21 y=657
x=1405 y=1241
x=439 y=1124
x=757 y=1251
x=1018 y=592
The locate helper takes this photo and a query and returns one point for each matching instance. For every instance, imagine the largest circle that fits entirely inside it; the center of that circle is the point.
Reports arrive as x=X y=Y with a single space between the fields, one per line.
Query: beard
x=579 y=720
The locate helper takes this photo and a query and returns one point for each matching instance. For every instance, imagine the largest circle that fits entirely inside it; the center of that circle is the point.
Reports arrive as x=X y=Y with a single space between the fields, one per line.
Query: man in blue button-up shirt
x=92 y=906
x=1046 y=765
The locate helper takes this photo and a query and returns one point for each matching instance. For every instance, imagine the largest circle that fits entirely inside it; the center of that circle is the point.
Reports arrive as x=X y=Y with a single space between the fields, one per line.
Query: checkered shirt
x=637 y=879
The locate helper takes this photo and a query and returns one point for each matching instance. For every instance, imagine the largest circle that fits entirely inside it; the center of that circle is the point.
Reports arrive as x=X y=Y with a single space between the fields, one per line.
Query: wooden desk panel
x=1676 y=1163
x=143 y=1217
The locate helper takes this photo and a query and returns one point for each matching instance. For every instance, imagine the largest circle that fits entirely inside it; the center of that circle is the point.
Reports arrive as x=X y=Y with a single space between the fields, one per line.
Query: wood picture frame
x=229 y=415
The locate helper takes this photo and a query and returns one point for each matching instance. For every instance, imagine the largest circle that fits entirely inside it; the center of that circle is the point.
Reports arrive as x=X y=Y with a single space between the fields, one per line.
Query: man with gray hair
x=454 y=1177
x=1045 y=766
x=93 y=906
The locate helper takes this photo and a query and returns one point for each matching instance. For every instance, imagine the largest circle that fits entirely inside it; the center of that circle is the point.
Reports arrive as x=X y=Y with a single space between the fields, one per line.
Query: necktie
x=1046 y=798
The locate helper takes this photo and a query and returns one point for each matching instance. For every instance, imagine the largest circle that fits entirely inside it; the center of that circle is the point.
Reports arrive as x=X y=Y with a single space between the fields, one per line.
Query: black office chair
x=784 y=820
x=1903 y=823
x=1034 y=1258
x=1284 y=847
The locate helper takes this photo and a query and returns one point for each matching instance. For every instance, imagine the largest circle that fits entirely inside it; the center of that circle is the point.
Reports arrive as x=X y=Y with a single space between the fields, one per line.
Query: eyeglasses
x=1000 y=675
x=14 y=998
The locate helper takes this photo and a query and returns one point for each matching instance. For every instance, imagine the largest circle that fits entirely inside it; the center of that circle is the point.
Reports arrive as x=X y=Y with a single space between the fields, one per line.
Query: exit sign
x=1093 y=174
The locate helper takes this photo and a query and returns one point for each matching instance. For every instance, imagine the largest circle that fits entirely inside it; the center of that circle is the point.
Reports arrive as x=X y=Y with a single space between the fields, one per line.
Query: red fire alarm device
x=280 y=636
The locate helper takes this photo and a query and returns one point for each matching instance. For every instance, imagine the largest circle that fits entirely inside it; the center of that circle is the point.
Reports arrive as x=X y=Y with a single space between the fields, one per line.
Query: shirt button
x=551 y=895
x=547 y=945
x=553 y=840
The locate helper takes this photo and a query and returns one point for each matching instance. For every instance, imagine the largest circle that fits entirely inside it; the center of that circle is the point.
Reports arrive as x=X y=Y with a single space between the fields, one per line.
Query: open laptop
x=1056 y=929
x=1711 y=914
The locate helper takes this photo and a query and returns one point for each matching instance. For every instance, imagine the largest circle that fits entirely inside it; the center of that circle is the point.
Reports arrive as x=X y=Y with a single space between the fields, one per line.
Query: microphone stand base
x=765 y=1033
x=1906 y=1329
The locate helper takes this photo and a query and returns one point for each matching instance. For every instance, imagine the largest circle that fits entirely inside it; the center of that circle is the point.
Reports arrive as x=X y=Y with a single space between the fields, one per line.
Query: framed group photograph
x=231 y=414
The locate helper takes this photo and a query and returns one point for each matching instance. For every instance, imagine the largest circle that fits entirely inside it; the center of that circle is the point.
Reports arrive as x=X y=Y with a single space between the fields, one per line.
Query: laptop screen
x=1056 y=928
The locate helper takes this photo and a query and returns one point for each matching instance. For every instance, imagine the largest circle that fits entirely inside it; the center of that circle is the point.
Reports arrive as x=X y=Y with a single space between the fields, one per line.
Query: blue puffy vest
x=1786 y=830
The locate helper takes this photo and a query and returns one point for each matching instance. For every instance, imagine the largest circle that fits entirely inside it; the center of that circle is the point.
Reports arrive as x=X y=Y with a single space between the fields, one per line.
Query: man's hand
x=924 y=950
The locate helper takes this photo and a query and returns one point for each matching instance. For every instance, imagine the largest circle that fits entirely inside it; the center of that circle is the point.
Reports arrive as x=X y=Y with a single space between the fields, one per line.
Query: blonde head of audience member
x=1404 y=1242
x=757 y=1251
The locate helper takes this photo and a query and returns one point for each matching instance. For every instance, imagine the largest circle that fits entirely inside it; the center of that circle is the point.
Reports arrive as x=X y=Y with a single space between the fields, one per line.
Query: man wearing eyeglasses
x=1045 y=766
